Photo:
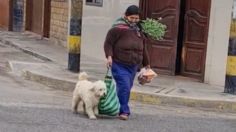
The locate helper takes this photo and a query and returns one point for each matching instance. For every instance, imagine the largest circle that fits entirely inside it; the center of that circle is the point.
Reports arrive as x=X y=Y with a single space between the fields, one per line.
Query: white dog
x=89 y=93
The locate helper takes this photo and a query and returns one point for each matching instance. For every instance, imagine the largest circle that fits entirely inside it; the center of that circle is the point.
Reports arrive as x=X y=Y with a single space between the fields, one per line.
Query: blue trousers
x=124 y=77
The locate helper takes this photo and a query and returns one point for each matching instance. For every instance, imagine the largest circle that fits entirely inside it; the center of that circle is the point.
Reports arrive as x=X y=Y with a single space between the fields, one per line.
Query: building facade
x=196 y=43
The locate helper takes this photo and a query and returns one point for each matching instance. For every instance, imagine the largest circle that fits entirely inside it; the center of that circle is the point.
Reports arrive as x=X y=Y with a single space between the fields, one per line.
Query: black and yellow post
x=230 y=82
x=74 y=38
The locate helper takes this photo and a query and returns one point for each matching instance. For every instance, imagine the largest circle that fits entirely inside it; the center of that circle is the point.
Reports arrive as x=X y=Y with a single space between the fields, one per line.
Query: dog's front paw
x=93 y=118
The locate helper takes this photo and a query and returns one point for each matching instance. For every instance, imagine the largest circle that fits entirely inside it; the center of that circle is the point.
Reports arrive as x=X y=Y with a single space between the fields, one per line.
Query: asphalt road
x=31 y=107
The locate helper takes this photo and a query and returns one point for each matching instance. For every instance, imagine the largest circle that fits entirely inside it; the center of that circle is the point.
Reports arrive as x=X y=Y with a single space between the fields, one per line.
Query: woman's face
x=133 y=19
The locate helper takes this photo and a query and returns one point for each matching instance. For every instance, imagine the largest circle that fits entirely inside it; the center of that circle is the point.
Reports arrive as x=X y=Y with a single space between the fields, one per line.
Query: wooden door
x=38 y=16
x=195 y=38
x=163 y=53
x=47 y=16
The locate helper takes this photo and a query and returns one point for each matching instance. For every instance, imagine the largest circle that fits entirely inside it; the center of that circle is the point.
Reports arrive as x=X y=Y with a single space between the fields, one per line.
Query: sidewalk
x=163 y=90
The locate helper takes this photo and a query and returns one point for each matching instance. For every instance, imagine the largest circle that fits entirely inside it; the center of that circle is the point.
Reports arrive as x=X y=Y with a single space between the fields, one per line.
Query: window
x=94 y=2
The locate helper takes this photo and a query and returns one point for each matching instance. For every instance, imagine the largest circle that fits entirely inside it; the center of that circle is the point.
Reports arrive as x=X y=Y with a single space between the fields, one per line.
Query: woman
x=125 y=52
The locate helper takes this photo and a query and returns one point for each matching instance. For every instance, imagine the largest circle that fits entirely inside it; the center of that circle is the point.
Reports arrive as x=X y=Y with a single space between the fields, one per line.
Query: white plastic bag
x=146 y=75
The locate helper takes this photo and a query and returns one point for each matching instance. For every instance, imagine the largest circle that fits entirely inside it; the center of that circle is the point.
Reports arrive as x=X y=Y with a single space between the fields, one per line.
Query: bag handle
x=109 y=73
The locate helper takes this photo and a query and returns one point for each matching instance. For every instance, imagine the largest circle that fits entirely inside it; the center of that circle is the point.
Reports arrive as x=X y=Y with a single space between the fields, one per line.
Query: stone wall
x=59 y=21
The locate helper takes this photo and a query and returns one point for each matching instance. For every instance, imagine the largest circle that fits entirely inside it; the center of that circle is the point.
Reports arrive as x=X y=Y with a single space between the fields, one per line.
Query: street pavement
x=27 y=106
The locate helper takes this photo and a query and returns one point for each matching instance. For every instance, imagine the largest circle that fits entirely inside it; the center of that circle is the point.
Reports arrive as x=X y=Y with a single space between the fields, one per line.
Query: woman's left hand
x=148 y=67
x=109 y=61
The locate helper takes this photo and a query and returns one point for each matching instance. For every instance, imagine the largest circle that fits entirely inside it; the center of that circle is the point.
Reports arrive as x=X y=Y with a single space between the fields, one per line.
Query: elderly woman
x=125 y=51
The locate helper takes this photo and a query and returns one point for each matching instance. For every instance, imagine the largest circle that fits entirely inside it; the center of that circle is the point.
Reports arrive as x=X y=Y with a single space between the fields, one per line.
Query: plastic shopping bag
x=146 y=76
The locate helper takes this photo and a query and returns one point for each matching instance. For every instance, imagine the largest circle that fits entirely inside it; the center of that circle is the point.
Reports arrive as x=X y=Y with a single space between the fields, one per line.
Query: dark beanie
x=132 y=10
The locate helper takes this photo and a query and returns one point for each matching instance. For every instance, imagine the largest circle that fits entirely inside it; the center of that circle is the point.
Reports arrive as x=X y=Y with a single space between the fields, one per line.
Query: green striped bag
x=109 y=104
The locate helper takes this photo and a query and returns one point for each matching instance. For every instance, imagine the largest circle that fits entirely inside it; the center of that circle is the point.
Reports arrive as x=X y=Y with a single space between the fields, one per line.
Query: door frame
x=29 y=8
x=46 y=18
x=10 y=23
x=45 y=28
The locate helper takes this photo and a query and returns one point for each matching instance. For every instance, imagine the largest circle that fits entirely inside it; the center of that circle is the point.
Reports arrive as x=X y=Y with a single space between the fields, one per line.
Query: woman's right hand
x=109 y=61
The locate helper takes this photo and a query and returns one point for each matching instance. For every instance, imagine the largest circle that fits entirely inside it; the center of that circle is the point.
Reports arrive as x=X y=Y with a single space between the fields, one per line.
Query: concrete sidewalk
x=163 y=90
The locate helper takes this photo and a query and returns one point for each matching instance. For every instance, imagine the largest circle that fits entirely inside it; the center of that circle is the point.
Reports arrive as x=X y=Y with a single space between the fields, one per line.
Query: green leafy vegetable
x=153 y=28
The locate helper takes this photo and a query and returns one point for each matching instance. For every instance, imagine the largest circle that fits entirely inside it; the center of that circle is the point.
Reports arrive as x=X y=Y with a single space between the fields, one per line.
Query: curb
x=14 y=45
x=147 y=98
x=59 y=84
x=224 y=106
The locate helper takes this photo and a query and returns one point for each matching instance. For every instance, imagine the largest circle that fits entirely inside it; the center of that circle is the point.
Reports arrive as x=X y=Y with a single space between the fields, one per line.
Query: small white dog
x=89 y=93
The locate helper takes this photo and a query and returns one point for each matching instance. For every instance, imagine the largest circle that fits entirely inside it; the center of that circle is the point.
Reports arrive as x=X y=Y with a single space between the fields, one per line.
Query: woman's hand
x=148 y=67
x=109 y=61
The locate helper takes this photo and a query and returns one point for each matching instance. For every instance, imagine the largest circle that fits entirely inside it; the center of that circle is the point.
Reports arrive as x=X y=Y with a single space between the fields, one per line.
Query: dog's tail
x=83 y=76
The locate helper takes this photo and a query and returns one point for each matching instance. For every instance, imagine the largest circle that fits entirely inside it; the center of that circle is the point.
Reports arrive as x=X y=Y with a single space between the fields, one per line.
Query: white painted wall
x=96 y=23
x=217 y=47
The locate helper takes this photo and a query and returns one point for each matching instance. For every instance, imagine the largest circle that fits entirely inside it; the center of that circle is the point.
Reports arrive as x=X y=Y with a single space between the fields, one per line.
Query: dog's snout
x=104 y=94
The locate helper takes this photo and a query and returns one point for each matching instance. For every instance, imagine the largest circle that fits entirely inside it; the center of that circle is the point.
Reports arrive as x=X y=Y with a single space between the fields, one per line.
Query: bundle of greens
x=153 y=28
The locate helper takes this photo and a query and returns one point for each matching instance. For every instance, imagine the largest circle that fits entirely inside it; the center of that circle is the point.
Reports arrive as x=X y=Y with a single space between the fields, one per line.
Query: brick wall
x=59 y=21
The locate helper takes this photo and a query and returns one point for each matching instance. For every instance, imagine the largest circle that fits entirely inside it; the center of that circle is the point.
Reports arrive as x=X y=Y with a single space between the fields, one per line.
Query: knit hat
x=132 y=10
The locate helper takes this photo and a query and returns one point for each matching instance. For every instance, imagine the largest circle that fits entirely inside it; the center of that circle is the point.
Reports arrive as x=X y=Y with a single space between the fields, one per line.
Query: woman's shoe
x=123 y=117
